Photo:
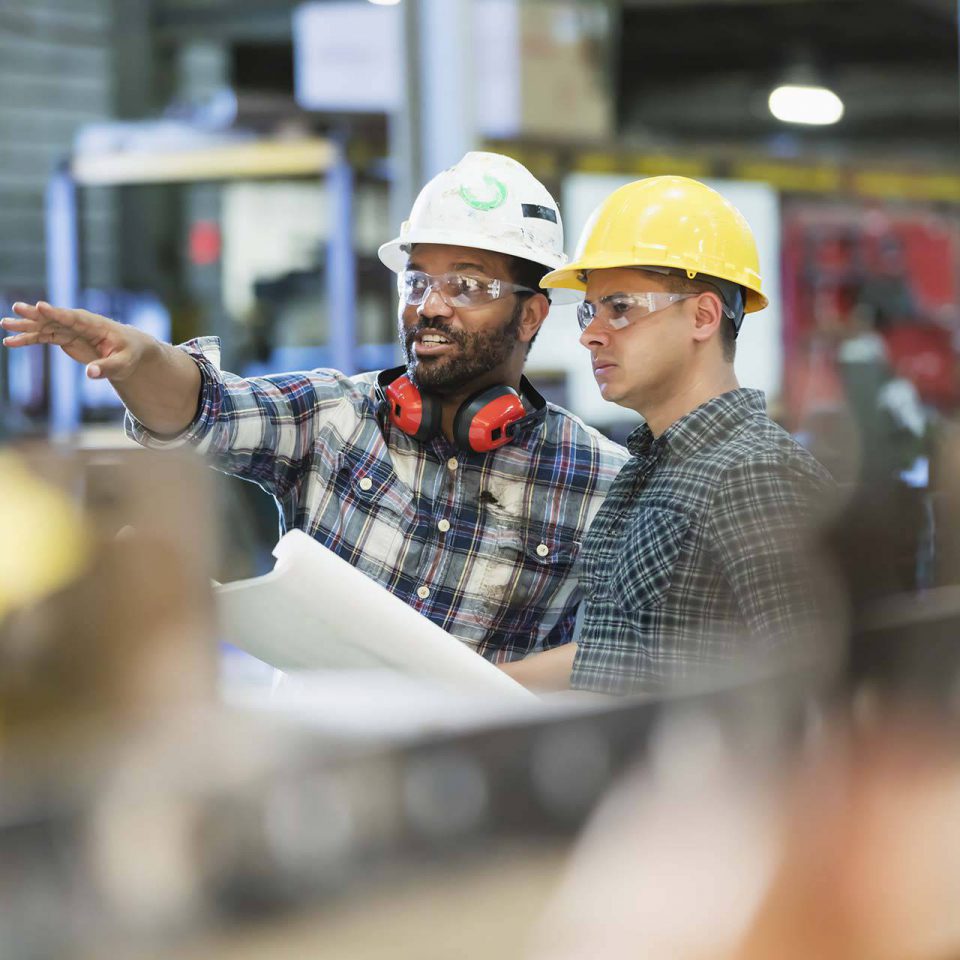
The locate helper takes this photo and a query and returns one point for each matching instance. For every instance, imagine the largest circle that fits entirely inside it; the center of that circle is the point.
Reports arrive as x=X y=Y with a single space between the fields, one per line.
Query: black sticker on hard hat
x=539 y=213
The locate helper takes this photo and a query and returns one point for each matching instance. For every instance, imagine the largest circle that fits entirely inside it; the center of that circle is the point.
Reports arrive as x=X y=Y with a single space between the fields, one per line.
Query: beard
x=479 y=353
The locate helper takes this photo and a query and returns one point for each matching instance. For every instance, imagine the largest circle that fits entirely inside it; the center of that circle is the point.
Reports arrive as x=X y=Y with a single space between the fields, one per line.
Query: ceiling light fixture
x=810 y=105
x=385 y=3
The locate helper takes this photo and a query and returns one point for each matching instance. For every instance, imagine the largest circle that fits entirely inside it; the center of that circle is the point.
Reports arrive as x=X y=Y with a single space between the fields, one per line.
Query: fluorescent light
x=385 y=3
x=816 y=106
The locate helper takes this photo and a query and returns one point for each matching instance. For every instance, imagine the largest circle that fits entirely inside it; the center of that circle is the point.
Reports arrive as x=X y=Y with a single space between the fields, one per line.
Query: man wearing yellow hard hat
x=697 y=562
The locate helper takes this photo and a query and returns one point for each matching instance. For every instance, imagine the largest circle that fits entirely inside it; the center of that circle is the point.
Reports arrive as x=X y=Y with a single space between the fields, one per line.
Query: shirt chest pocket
x=369 y=514
x=652 y=547
x=524 y=567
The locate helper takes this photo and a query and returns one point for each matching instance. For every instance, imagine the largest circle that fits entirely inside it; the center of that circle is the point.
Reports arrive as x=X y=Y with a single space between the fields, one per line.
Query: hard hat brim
x=393 y=254
x=568 y=278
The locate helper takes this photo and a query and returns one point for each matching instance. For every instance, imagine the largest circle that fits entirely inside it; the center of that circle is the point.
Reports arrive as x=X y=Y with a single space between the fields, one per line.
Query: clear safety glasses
x=619 y=310
x=455 y=289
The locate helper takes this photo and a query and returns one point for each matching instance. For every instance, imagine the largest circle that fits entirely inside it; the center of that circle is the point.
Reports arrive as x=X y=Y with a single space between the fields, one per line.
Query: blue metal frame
x=342 y=266
x=63 y=289
x=63 y=286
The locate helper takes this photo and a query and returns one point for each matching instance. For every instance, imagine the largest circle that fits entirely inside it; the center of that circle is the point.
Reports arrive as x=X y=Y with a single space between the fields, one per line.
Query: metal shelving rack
x=245 y=160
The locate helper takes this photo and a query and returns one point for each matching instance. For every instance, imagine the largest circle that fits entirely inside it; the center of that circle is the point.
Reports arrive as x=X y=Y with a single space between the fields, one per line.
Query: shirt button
x=543 y=550
x=443 y=526
x=366 y=483
x=453 y=463
x=423 y=593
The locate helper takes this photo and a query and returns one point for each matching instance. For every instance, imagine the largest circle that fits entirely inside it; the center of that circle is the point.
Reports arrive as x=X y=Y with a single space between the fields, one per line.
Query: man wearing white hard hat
x=449 y=480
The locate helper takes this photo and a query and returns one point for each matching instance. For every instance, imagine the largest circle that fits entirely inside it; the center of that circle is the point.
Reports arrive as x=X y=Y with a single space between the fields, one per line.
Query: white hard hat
x=489 y=202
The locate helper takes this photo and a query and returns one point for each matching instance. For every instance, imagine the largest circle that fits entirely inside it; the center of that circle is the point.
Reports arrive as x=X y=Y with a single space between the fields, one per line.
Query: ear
x=535 y=311
x=708 y=317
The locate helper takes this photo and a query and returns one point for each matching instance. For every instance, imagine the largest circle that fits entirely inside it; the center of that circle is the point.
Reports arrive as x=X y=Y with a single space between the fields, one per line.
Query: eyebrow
x=610 y=296
x=464 y=265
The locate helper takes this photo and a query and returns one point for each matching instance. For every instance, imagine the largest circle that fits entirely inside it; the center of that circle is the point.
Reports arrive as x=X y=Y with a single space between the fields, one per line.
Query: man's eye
x=620 y=307
x=470 y=284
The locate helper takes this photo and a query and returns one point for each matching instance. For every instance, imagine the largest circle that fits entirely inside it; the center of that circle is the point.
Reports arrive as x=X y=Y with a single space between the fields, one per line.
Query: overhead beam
x=239 y=161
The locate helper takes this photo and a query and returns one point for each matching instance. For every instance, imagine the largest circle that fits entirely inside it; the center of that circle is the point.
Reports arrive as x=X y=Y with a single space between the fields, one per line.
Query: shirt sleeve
x=262 y=429
x=765 y=523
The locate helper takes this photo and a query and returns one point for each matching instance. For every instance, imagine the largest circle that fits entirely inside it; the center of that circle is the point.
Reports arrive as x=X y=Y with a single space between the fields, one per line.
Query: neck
x=698 y=390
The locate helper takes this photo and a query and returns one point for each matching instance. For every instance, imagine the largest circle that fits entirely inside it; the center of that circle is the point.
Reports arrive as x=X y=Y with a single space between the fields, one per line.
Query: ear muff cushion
x=411 y=411
x=484 y=420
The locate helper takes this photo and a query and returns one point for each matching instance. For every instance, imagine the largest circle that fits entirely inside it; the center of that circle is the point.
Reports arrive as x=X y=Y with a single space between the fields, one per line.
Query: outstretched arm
x=158 y=383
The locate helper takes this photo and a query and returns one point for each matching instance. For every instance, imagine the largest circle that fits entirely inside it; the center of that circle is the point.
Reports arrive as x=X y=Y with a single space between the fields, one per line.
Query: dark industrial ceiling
x=700 y=70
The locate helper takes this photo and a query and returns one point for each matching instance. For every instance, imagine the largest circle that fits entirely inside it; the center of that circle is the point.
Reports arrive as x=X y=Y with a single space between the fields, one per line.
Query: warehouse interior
x=231 y=169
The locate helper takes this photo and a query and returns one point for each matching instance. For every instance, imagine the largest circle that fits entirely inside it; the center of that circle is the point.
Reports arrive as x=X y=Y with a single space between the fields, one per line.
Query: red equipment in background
x=854 y=268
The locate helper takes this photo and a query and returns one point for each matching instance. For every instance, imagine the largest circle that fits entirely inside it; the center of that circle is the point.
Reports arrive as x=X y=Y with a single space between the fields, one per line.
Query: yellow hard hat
x=671 y=222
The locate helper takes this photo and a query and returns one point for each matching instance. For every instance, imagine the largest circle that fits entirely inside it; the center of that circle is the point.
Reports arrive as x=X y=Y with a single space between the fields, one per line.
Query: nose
x=434 y=305
x=596 y=334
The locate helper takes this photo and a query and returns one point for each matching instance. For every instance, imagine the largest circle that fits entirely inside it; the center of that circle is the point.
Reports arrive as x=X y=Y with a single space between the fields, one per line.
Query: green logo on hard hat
x=499 y=194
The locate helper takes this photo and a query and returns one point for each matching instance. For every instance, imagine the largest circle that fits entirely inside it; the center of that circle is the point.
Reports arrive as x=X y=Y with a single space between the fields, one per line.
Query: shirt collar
x=716 y=418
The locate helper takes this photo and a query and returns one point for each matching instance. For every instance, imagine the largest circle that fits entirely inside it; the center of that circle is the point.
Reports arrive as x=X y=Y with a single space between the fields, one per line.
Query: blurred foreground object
x=851 y=853
x=45 y=541
x=101 y=630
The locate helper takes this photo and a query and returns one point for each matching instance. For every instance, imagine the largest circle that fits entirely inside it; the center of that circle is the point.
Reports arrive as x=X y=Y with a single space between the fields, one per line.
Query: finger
x=52 y=333
x=26 y=310
x=18 y=325
x=90 y=326
x=21 y=340
x=63 y=316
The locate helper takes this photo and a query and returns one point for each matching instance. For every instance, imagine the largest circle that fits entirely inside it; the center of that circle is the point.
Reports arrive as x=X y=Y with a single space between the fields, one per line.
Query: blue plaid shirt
x=484 y=545
x=700 y=558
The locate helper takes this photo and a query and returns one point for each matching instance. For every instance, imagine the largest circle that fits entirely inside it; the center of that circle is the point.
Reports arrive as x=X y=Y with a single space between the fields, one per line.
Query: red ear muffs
x=485 y=420
x=413 y=412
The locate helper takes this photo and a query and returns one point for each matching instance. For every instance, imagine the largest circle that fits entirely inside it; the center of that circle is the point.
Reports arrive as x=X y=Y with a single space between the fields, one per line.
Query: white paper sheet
x=314 y=611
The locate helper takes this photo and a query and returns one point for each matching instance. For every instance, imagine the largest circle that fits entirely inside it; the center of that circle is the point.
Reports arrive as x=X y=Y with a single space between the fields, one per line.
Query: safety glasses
x=619 y=310
x=455 y=289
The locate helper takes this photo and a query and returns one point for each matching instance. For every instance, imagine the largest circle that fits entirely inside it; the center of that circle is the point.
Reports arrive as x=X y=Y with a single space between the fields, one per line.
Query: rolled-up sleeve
x=262 y=429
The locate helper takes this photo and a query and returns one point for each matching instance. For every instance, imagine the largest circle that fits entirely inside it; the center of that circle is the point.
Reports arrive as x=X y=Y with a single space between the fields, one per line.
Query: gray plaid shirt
x=699 y=555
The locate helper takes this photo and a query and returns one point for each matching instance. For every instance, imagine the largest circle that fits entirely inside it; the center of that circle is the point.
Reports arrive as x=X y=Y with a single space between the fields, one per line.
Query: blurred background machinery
x=234 y=165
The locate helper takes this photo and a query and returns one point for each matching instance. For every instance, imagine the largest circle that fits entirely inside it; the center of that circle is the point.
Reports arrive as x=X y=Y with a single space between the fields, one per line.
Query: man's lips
x=429 y=343
x=601 y=367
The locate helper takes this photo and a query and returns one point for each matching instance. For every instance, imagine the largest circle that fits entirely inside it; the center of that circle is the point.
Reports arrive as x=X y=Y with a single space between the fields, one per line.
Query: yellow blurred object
x=44 y=541
x=670 y=222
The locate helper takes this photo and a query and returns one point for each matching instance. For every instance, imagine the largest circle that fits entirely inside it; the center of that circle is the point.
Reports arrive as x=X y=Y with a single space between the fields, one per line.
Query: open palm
x=83 y=336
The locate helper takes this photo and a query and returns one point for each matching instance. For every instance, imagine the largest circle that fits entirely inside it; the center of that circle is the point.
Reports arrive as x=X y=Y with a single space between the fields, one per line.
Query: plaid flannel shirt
x=484 y=545
x=700 y=558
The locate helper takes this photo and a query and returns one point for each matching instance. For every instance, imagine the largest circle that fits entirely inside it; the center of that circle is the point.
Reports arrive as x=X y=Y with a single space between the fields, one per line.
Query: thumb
x=114 y=367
